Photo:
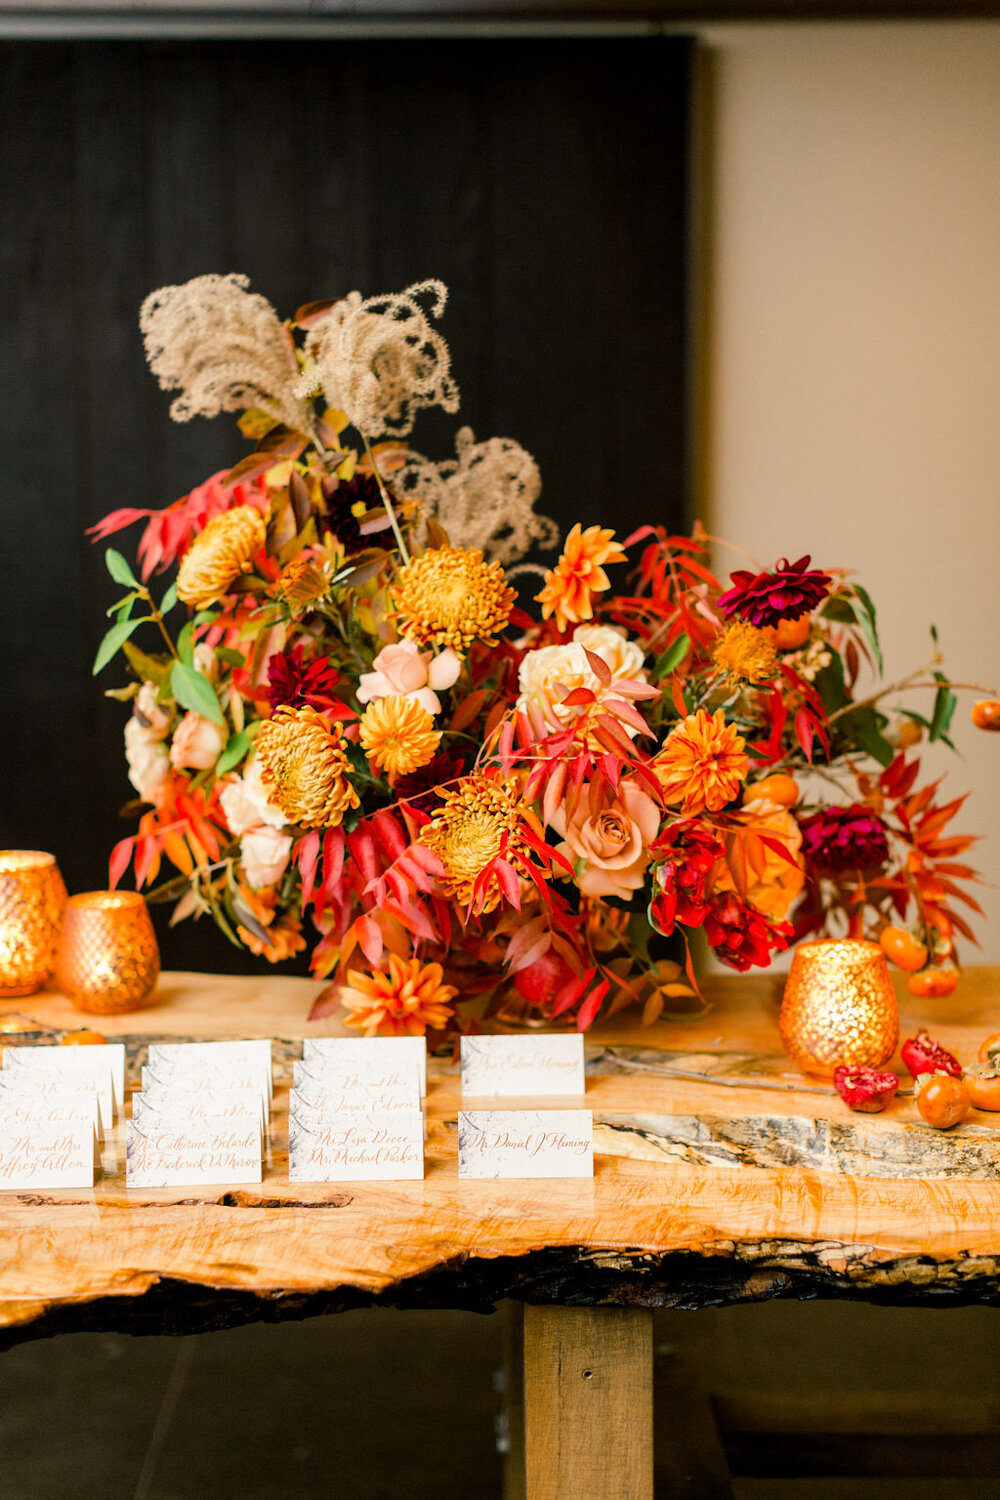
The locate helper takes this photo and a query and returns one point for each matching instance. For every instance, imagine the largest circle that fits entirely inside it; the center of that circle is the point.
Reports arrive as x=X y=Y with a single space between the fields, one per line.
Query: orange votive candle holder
x=108 y=961
x=32 y=898
x=839 y=1007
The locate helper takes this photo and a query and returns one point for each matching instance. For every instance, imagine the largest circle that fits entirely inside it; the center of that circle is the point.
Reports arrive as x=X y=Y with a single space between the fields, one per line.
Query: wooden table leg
x=588 y=1403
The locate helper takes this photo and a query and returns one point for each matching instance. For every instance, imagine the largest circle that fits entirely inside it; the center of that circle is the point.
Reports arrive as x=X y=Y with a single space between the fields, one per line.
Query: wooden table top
x=721 y=1174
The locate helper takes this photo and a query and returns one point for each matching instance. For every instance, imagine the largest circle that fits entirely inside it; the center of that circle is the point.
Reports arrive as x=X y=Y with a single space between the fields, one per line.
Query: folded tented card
x=102 y=1066
x=525 y=1143
x=29 y=1107
x=46 y=1156
x=325 y=1147
x=379 y=1053
x=227 y=1061
x=23 y=1087
x=237 y=1106
x=168 y=1079
x=497 y=1066
x=345 y=1091
x=210 y=1151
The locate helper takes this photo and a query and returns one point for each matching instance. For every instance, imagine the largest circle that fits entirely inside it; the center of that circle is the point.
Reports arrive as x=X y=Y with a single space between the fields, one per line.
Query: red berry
x=865 y=1089
x=543 y=979
x=922 y=1054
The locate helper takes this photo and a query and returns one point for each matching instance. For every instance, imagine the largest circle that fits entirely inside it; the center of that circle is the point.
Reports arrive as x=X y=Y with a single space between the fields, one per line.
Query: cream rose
x=148 y=761
x=264 y=855
x=404 y=671
x=157 y=718
x=611 y=842
x=244 y=802
x=624 y=657
x=551 y=673
x=196 y=743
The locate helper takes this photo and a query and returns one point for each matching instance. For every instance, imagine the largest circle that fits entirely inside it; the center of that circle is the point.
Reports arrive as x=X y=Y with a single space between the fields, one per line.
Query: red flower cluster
x=295 y=682
x=741 y=937
x=683 y=880
x=768 y=598
x=835 y=839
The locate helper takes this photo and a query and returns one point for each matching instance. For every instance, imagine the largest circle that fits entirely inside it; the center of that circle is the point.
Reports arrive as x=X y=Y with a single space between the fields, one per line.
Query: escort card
x=22 y=1086
x=525 y=1143
x=378 y=1052
x=237 y=1106
x=46 y=1156
x=522 y=1066
x=102 y=1066
x=31 y=1108
x=170 y=1078
x=354 y=1147
x=206 y=1151
x=328 y=1097
x=222 y=1060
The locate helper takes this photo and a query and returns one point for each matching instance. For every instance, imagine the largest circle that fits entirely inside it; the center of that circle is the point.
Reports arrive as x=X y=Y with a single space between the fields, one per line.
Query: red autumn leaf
x=119 y=861
x=587 y=1013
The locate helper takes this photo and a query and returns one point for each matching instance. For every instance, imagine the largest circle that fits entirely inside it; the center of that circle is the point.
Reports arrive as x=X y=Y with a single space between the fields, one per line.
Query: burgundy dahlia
x=768 y=598
x=835 y=839
x=345 y=505
x=682 y=881
x=741 y=937
x=418 y=788
x=296 y=682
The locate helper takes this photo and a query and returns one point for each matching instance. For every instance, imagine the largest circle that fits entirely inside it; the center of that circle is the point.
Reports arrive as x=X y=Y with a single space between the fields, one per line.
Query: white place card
x=525 y=1143
x=237 y=1106
x=47 y=1156
x=208 y=1151
x=21 y=1086
x=522 y=1066
x=30 y=1108
x=354 y=1147
x=217 y=1059
x=171 y=1078
x=329 y=1096
x=95 y=1065
x=379 y=1052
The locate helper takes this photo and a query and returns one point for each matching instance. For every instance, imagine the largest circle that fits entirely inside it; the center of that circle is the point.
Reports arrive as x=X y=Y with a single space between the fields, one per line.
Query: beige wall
x=853 y=354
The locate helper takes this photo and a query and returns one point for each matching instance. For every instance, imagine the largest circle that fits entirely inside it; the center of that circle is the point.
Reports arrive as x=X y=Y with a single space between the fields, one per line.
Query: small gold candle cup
x=32 y=897
x=108 y=961
x=839 y=1007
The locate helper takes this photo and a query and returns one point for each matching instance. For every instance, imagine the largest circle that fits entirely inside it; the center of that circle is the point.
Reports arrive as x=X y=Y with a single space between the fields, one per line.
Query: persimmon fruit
x=905 y=951
x=84 y=1038
x=986 y=714
x=983 y=1082
x=942 y=1100
x=789 y=635
x=932 y=984
x=780 y=788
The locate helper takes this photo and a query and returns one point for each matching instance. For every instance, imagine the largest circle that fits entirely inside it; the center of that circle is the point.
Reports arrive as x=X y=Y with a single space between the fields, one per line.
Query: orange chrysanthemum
x=304 y=582
x=284 y=941
x=702 y=764
x=578 y=575
x=771 y=881
x=745 y=654
x=304 y=766
x=217 y=557
x=450 y=597
x=478 y=821
x=398 y=735
x=408 y=1001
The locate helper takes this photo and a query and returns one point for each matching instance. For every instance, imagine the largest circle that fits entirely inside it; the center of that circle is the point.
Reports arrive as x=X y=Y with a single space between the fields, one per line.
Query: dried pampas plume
x=485 y=498
x=224 y=349
x=379 y=360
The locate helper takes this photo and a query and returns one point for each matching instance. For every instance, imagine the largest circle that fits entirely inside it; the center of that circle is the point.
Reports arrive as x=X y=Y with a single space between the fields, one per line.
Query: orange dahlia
x=478 y=821
x=398 y=735
x=407 y=1001
x=284 y=941
x=702 y=764
x=450 y=596
x=217 y=557
x=745 y=654
x=579 y=574
x=304 y=767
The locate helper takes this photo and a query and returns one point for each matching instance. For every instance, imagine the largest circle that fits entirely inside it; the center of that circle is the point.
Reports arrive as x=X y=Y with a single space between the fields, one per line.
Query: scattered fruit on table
x=989 y=1049
x=922 y=1054
x=983 y=1082
x=986 y=714
x=933 y=983
x=942 y=1100
x=83 y=1038
x=904 y=950
x=865 y=1089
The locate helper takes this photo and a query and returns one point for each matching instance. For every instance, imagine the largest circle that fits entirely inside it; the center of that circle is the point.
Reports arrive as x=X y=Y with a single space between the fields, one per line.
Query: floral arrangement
x=373 y=720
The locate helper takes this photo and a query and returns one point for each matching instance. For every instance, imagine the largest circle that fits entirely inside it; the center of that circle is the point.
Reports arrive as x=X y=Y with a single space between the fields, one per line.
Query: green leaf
x=112 y=643
x=864 y=729
x=829 y=683
x=119 y=569
x=195 y=692
x=185 y=643
x=231 y=657
x=233 y=753
x=169 y=600
x=123 y=604
x=671 y=660
x=152 y=668
x=205 y=617
x=866 y=619
x=945 y=703
x=840 y=609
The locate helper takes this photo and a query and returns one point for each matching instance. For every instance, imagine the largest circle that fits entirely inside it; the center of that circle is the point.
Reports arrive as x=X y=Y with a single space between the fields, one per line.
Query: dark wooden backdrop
x=546 y=181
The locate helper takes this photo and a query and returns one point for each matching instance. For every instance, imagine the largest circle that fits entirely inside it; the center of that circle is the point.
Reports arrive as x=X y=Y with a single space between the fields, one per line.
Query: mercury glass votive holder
x=839 y=1007
x=107 y=961
x=32 y=897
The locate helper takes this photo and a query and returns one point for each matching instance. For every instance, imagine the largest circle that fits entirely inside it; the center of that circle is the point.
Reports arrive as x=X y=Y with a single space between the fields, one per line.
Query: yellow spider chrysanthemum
x=304 y=766
x=398 y=735
x=579 y=574
x=303 y=582
x=407 y=1001
x=451 y=597
x=217 y=557
x=479 y=816
x=745 y=654
x=702 y=764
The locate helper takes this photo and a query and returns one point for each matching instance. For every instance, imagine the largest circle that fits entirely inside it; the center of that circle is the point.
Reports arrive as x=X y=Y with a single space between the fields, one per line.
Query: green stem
x=403 y=552
x=157 y=618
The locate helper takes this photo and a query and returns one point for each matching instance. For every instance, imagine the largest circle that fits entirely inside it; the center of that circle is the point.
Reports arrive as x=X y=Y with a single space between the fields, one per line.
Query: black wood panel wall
x=545 y=181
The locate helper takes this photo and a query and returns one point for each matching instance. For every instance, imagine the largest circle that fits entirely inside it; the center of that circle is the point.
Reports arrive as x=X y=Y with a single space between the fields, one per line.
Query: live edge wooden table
x=721 y=1175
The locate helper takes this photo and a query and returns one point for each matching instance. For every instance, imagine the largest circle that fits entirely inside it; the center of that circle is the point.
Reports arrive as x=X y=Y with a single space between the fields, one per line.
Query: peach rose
x=148 y=761
x=197 y=743
x=611 y=840
x=244 y=802
x=404 y=671
x=264 y=855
